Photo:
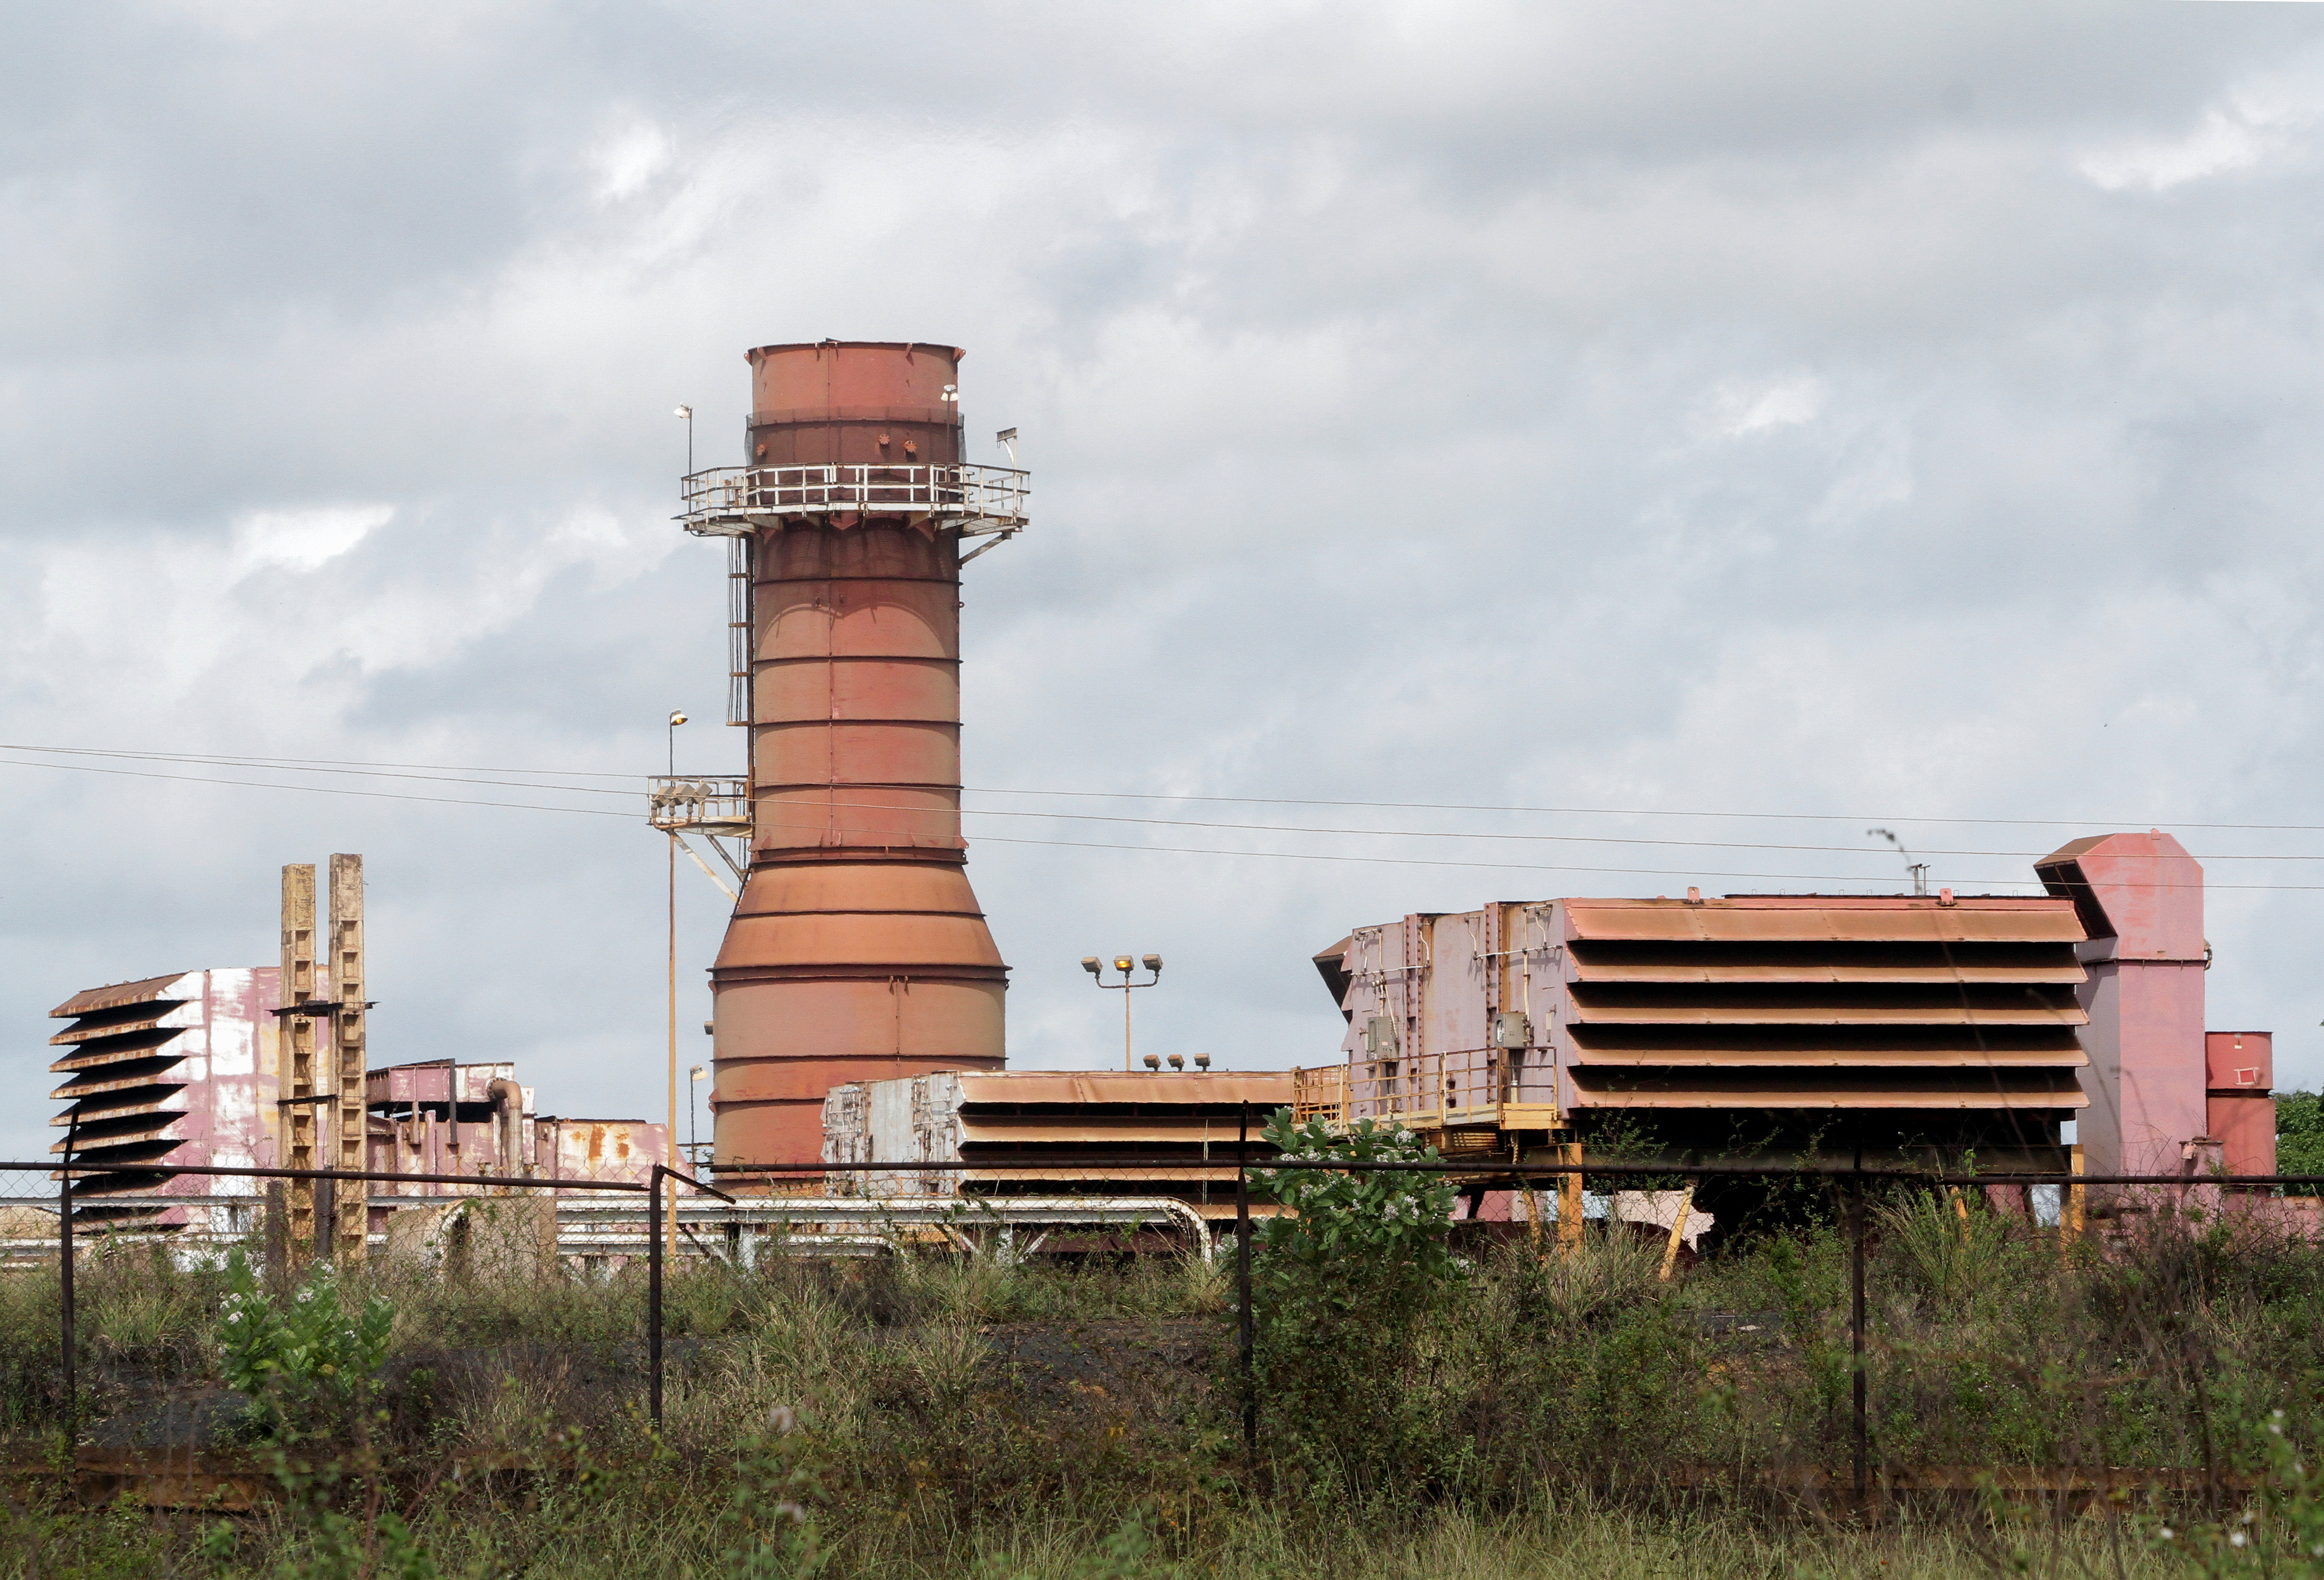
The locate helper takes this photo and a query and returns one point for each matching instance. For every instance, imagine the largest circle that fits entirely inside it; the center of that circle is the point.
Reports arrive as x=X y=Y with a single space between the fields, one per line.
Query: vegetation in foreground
x=1426 y=1407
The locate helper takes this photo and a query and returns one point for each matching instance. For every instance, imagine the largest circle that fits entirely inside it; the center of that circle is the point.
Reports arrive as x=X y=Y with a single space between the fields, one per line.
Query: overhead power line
x=401 y=772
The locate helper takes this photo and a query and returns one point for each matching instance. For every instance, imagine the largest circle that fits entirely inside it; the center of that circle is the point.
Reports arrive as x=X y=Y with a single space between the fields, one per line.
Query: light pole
x=692 y=1111
x=676 y=718
x=687 y=412
x=1096 y=968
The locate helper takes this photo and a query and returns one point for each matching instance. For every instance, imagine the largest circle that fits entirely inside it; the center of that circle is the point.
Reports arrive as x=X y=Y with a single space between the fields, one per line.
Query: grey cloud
x=1804 y=408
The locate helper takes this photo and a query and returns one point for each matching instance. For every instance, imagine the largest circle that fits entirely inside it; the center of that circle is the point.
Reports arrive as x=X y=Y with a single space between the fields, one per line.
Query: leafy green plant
x=305 y=1359
x=1350 y=1272
x=769 y=1515
x=1368 y=1243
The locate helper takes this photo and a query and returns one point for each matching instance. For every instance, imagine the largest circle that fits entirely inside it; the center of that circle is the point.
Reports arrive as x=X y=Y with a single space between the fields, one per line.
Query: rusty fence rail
x=39 y=1206
x=64 y=1204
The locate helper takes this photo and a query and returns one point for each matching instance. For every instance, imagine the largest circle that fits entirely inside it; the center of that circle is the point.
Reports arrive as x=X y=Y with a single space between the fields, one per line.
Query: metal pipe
x=1242 y=1282
x=1344 y=1166
x=65 y=1279
x=1855 y=1324
x=175 y=1169
x=653 y=1298
x=1517 y=1172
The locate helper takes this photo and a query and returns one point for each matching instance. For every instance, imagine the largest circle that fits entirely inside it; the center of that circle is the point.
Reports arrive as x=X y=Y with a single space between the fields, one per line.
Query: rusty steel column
x=297 y=1079
x=857 y=950
x=350 y=1225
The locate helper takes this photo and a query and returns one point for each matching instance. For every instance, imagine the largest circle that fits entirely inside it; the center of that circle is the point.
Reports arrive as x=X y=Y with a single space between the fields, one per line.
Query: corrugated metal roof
x=145 y=1044
x=1270 y=1088
x=2065 y=975
x=153 y=990
x=1191 y=1131
x=2049 y=1089
x=1839 y=1014
x=1884 y=918
x=1836 y=1058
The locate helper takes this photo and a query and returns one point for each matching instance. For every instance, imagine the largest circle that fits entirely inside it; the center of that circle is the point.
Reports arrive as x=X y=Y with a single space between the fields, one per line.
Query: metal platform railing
x=728 y=501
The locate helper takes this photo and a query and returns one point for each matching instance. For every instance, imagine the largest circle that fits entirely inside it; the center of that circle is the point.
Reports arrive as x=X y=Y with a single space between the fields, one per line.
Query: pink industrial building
x=1901 y=1028
x=180 y=1071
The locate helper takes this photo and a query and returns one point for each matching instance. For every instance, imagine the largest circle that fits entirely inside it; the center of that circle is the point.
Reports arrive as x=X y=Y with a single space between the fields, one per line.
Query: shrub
x=304 y=1362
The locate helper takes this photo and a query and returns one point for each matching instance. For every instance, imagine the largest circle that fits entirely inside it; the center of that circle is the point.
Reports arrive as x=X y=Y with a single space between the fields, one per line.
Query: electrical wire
x=1095 y=845
x=385 y=771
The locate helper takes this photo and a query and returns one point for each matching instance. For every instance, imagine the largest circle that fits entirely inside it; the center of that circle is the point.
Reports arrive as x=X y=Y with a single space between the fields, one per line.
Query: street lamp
x=687 y=413
x=1096 y=968
x=676 y=718
x=693 y=1136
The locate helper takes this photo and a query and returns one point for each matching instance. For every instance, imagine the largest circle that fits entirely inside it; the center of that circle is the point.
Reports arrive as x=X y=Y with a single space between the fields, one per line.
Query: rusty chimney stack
x=856 y=952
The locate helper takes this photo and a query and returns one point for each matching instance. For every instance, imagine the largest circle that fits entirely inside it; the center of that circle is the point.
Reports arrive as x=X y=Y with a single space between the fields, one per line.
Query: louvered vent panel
x=1896 y=1002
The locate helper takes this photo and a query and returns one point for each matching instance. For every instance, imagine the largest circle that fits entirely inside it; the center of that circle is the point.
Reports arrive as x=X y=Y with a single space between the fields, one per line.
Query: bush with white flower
x=302 y=1360
x=1350 y=1242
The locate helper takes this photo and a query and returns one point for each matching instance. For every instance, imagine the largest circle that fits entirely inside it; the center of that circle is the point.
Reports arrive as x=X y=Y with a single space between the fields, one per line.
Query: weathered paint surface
x=1520 y=1014
x=171 y=1069
x=2140 y=896
x=1037 y=1130
x=445 y=1118
x=857 y=951
x=2239 y=1103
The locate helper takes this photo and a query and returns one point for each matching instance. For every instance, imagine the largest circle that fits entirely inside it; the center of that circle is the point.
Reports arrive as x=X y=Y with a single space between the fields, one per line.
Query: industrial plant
x=860 y=998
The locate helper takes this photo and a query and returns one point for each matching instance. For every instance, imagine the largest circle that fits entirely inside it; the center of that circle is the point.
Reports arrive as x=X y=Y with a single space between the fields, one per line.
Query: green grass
x=1547 y=1417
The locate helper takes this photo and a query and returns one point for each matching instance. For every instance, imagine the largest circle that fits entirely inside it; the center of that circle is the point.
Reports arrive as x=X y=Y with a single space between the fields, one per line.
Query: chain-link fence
x=623 y=1236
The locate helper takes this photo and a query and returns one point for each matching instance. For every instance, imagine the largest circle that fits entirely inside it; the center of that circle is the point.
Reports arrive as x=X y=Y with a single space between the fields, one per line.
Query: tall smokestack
x=857 y=951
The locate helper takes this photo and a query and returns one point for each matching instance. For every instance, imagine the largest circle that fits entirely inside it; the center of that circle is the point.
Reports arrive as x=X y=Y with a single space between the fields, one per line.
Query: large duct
x=857 y=951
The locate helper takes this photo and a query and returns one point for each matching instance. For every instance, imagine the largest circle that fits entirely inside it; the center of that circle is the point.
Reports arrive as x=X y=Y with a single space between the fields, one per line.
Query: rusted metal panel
x=2141 y=897
x=185 y=1076
x=1884 y=918
x=147 y=991
x=2064 y=974
x=1835 y=1015
x=350 y=1229
x=982 y=1131
x=1262 y=1090
x=1964 y=1058
x=1056 y=1126
x=1776 y=1001
x=2001 y=1089
x=2239 y=1062
x=2244 y=1125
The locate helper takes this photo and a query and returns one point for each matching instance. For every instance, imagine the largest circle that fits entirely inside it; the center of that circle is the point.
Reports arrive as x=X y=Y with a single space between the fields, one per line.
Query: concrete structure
x=1917 y=1028
x=1034 y=1132
x=170 y=1070
x=856 y=952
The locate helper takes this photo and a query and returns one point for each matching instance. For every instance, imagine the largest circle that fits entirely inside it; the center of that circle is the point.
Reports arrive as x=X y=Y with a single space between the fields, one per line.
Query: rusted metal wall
x=2139 y=899
x=1948 y=1017
x=175 y=1070
x=2240 y=1101
x=1038 y=1132
x=1902 y=1022
x=857 y=951
x=443 y=1117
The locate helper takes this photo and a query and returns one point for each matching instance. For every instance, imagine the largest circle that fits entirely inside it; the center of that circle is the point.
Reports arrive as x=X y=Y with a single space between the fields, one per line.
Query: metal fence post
x=653 y=1294
x=1242 y=1282
x=65 y=1281
x=1855 y=1326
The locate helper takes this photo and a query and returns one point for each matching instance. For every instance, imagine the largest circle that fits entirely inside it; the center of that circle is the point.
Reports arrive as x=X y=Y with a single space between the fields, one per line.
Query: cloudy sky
x=1797 y=417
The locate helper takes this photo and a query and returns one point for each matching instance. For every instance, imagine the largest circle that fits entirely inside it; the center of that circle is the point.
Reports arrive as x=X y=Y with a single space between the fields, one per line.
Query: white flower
x=2239 y=1539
